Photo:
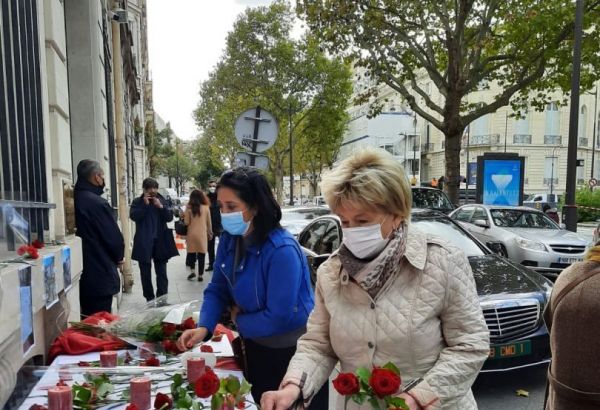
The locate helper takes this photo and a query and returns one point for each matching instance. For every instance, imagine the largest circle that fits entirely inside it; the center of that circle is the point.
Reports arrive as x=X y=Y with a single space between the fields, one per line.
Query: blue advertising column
x=500 y=179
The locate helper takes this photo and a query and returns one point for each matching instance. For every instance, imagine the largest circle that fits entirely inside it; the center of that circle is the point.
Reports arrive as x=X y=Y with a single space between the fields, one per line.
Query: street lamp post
x=552 y=170
x=594 y=134
x=414 y=164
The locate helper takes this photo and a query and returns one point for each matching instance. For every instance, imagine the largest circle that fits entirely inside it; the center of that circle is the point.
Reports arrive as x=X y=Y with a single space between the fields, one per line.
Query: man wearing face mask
x=153 y=239
x=215 y=217
x=101 y=240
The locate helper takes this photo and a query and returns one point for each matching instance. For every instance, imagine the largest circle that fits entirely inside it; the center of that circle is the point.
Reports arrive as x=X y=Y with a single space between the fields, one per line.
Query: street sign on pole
x=592 y=182
x=256 y=130
x=246 y=159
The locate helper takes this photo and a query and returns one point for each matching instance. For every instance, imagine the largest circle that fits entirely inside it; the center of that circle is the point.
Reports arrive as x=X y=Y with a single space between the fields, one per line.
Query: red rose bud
x=83 y=364
x=169 y=329
x=206 y=349
x=37 y=244
x=207 y=385
x=188 y=323
x=152 y=361
x=384 y=382
x=163 y=401
x=346 y=384
x=33 y=253
x=241 y=405
x=21 y=250
x=61 y=382
x=131 y=406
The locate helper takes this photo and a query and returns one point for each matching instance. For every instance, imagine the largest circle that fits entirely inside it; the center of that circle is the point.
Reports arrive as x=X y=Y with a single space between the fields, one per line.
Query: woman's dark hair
x=197 y=199
x=253 y=188
x=149 y=183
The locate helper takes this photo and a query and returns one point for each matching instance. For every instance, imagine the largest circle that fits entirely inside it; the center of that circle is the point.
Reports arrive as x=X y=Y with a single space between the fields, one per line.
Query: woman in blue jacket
x=260 y=273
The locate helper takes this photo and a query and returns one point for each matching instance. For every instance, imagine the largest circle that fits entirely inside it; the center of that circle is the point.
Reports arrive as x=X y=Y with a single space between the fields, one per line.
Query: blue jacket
x=101 y=240
x=272 y=286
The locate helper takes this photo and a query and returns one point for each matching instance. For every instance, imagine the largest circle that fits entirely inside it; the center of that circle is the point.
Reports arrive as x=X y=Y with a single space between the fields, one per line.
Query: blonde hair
x=369 y=178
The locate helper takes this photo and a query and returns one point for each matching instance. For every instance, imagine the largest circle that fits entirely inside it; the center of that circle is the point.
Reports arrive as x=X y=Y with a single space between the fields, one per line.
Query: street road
x=498 y=391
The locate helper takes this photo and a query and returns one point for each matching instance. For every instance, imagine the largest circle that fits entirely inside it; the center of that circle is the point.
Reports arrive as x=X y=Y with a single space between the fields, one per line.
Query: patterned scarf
x=372 y=274
x=593 y=254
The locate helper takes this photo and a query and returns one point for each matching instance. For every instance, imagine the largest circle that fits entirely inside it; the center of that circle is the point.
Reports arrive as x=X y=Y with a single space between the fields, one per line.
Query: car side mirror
x=482 y=223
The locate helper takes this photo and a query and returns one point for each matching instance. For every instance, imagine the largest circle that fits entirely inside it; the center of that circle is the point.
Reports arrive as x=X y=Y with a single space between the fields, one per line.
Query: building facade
x=541 y=137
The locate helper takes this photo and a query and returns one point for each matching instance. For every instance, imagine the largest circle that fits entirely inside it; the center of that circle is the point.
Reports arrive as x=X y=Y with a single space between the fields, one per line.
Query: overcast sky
x=186 y=38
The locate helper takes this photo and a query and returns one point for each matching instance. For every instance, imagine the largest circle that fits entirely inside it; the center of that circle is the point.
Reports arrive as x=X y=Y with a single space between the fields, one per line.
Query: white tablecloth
x=50 y=377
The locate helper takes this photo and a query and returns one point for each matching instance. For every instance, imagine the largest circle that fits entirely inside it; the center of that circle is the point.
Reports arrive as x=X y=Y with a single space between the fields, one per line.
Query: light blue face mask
x=233 y=222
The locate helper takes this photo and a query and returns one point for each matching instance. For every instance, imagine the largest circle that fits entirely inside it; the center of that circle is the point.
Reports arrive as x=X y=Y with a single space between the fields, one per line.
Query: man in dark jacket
x=153 y=239
x=215 y=218
x=102 y=242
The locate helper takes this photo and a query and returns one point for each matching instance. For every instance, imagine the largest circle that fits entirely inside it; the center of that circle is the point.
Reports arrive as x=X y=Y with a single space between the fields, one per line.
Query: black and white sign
x=256 y=130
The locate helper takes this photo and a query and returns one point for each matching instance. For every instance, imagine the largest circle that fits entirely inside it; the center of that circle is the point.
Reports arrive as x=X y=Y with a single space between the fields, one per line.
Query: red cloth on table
x=74 y=342
x=226 y=363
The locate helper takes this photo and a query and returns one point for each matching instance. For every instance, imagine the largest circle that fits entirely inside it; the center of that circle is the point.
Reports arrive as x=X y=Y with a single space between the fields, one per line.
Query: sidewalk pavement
x=180 y=289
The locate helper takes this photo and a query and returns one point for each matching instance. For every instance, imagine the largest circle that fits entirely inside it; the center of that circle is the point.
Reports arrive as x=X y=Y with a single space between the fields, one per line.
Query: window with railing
x=549 y=181
x=552 y=140
x=490 y=139
x=522 y=139
x=428 y=147
x=23 y=197
x=583 y=142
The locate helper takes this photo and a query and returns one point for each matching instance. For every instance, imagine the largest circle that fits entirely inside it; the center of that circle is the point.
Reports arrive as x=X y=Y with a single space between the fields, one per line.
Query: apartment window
x=552 y=119
x=480 y=126
x=23 y=197
x=551 y=170
x=388 y=147
x=582 y=125
x=522 y=134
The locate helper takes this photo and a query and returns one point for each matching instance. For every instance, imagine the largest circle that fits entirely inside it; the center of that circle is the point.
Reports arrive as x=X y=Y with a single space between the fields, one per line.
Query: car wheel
x=503 y=251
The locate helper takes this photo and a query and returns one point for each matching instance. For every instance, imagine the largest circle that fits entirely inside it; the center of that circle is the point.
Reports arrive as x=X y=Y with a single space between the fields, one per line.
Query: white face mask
x=212 y=189
x=364 y=241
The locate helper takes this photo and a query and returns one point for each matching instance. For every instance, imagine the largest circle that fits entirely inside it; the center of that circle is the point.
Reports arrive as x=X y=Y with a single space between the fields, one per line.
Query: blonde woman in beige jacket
x=389 y=294
x=199 y=232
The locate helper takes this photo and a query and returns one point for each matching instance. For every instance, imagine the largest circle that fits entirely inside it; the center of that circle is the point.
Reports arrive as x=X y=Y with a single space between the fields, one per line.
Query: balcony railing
x=522 y=139
x=548 y=180
x=428 y=147
x=552 y=140
x=490 y=139
x=583 y=142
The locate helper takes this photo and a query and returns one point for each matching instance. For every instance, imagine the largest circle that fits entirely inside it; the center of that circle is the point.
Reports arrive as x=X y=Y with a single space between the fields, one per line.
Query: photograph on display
x=26 y=309
x=50 y=292
x=502 y=182
x=66 y=265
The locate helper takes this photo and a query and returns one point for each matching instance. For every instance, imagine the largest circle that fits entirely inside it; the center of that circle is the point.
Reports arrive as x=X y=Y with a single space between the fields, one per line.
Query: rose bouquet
x=377 y=387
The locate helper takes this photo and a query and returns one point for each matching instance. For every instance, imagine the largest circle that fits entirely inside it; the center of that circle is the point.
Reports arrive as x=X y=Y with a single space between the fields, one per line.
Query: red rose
x=131 y=406
x=33 y=253
x=38 y=407
x=346 y=384
x=152 y=361
x=206 y=348
x=163 y=401
x=83 y=364
x=207 y=385
x=37 y=244
x=188 y=323
x=384 y=382
x=241 y=405
x=22 y=249
x=169 y=329
x=61 y=382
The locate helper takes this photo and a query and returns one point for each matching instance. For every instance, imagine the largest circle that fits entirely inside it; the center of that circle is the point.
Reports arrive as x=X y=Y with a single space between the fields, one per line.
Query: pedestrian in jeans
x=199 y=231
x=153 y=239
x=215 y=219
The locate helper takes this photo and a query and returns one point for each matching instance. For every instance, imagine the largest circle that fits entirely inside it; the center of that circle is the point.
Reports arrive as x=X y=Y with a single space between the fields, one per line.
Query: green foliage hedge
x=585 y=197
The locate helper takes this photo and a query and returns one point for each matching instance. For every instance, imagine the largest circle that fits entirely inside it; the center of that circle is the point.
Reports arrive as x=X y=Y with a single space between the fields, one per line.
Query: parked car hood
x=548 y=235
x=495 y=275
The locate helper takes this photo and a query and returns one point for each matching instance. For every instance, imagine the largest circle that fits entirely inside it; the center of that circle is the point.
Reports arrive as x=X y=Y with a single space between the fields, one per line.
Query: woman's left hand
x=410 y=402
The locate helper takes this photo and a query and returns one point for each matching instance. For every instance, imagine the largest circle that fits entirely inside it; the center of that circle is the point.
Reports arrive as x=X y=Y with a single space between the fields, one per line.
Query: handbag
x=181 y=228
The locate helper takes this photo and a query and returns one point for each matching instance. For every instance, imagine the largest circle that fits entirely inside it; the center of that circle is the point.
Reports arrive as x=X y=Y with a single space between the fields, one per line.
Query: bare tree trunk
x=121 y=155
x=278 y=174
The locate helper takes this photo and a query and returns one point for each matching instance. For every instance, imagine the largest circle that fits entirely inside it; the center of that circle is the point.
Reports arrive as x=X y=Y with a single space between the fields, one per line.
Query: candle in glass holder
x=140 y=392
x=60 y=398
x=108 y=358
x=195 y=368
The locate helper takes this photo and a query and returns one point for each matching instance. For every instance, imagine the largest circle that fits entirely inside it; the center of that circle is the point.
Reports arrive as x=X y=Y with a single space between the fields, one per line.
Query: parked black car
x=512 y=296
x=431 y=198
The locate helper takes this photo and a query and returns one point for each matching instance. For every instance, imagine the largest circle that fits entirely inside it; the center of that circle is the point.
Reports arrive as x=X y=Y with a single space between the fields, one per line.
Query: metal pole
x=571 y=209
x=291 y=155
x=467 y=173
x=505 y=130
x=414 y=148
x=594 y=133
x=552 y=172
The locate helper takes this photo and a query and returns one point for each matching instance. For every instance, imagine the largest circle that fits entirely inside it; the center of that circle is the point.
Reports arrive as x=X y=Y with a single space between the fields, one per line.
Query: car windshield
x=518 y=218
x=431 y=199
x=294 y=220
x=448 y=230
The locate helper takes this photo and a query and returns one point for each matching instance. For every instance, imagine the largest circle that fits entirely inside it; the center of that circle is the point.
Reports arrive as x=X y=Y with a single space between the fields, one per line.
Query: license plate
x=516 y=349
x=569 y=260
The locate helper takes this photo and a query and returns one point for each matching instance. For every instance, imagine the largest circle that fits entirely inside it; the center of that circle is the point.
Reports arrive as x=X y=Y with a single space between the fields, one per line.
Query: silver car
x=524 y=235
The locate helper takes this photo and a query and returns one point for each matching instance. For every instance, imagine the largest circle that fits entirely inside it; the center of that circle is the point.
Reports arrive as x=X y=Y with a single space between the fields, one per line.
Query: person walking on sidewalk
x=215 y=219
x=199 y=231
x=101 y=240
x=153 y=239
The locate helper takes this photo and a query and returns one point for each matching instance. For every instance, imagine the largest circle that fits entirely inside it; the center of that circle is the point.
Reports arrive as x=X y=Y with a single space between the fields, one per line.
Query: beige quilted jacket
x=426 y=320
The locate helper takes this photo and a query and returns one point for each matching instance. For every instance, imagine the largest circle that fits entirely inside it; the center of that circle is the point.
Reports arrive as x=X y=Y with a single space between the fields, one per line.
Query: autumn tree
x=523 y=48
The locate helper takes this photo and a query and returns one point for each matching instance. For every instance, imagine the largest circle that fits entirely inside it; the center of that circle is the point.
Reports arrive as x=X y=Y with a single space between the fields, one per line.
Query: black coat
x=215 y=214
x=102 y=242
x=153 y=238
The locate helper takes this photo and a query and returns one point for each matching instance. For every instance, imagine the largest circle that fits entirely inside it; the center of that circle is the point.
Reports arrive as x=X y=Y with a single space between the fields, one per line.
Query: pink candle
x=60 y=398
x=140 y=392
x=108 y=358
x=195 y=368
